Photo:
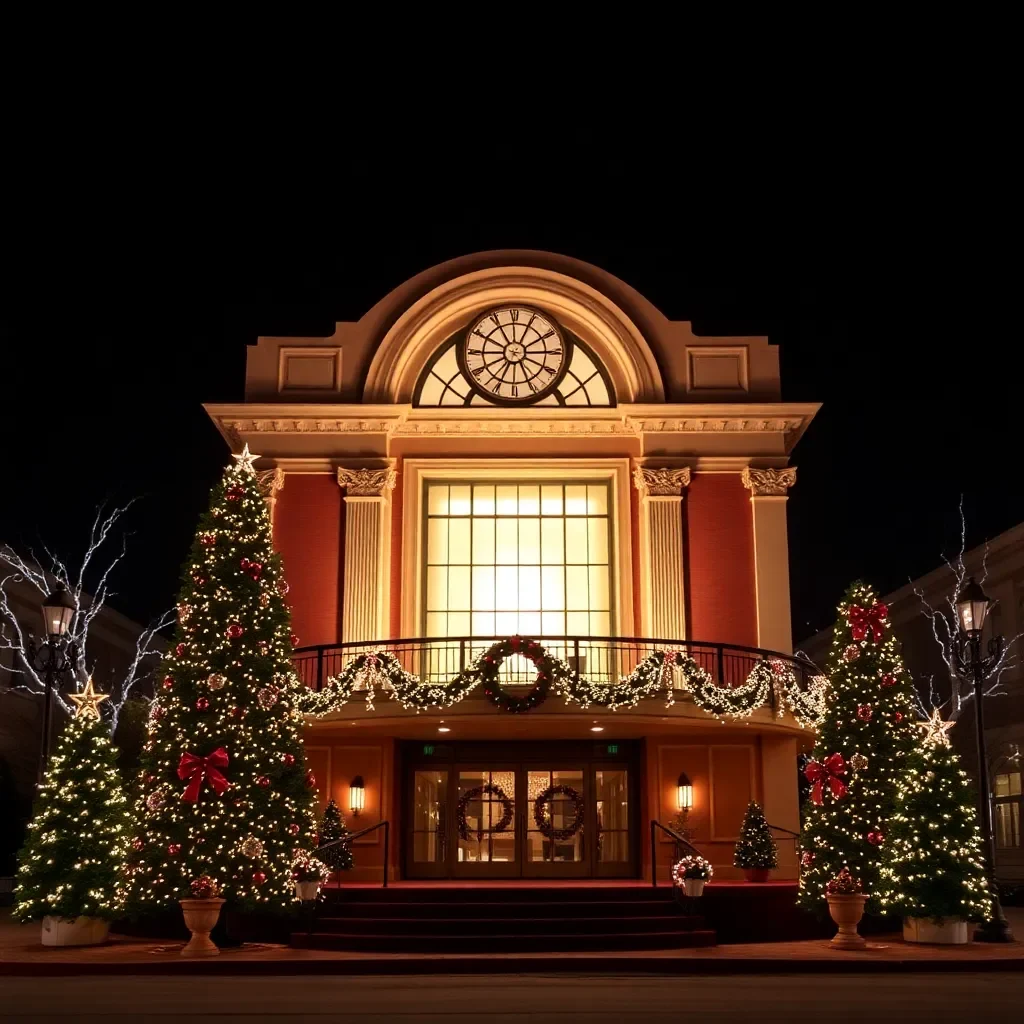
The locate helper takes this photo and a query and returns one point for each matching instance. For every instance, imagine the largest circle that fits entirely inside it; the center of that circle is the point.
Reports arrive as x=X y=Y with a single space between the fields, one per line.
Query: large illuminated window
x=507 y=558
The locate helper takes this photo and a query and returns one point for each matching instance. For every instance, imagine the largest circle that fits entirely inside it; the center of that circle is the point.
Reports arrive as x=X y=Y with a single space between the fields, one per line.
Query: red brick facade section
x=721 y=601
x=308 y=536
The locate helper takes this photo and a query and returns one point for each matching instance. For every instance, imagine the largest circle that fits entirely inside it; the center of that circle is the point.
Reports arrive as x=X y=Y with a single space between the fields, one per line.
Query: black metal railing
x=790 y=836
x=347 y=840
x=600 y=659
x=682 y=847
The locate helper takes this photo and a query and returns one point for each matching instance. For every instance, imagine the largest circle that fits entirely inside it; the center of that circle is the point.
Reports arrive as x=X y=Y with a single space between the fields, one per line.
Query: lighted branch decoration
x=661 y=673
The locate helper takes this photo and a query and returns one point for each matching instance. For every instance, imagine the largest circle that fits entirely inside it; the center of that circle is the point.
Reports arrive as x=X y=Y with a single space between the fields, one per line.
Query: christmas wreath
x=543 y=818
x=507 y=811
x=490 y=665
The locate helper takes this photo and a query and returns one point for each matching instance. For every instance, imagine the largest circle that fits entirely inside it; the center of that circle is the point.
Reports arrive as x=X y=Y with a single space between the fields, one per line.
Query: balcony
x=589 y=670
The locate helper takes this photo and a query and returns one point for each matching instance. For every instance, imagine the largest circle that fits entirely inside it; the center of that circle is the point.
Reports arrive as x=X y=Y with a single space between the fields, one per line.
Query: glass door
x=427 y=852
x=486 y=830
x=557 y=828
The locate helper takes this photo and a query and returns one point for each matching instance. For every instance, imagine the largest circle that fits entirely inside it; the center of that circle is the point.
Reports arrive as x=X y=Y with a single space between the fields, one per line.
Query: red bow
x=196 y=769
x=828 y=770
x=865 y=620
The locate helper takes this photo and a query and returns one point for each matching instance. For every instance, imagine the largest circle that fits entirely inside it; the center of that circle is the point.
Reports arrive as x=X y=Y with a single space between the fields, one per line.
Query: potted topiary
x=691 y=873
x=846 y=905
x=201 y=913
x=308 y=874
x=755 y=849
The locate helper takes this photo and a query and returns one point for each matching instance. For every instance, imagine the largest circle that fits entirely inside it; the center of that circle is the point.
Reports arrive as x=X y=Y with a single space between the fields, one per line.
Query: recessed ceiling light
x=443 y=728
x=597 y=728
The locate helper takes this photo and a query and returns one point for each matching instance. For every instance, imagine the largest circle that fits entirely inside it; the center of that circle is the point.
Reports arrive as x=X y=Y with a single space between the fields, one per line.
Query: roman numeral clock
x=514 y=355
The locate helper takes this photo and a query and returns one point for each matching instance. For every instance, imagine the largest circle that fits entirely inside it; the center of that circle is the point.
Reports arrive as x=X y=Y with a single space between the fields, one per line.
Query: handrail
x=352 y=836
x=676 y=837
x=788 y=831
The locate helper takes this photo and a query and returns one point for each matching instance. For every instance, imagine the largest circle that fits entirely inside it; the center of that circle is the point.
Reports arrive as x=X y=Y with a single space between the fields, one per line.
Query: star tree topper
x=936 y=730
x=246 y=459
x=88 y=701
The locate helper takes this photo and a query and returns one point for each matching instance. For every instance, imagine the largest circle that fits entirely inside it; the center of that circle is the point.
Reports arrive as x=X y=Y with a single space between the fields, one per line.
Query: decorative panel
x=732 y=778
x=717 y=368
x=309 y=369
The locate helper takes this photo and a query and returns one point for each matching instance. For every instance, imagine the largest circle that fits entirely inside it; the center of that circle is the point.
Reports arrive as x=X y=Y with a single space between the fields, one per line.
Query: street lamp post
x=53 y=657
x=972 y=605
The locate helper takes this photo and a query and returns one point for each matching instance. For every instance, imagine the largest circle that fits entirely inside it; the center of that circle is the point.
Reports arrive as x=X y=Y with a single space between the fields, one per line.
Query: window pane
x=437 y=541
x=483 y=588
x=458 y=588
x=507 y=500
x=483 y=500
x=576 y=541
x=437 y=499
x=529 y=541
x=1002 y=787
x=1014 y=783
x=483 y=624
x=529 y=625
x=552 y=588
x=577 y=623
x=458 y=541
x=597 y=500
x=506 y=583
x=459 y=500
x=552 y=537
x=507 y=541
x=1008 y=824
x=551 y=500
x=529 y=588
x=483 y=541
x=506 y=623
x=552 y=624
x=458 y=624
x=598 y=530
x=576 y=589
x=598 y=575
x=575 y=500
x=437 y=587
x=600 y=624
x=529 y=500
x=437 y=624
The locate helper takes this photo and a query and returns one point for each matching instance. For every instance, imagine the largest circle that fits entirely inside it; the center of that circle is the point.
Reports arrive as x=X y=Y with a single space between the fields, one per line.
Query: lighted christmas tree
x=863 y=741
x=224 y=790
x=934 y=864
x=71 y=865
x=332 y=826
x=755 y=847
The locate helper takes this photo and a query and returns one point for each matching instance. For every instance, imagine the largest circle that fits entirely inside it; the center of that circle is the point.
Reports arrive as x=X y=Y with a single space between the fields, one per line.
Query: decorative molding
x=661 y=482
x=717 y=424
x=768 y=482
x=367 y=483
x=270 y=482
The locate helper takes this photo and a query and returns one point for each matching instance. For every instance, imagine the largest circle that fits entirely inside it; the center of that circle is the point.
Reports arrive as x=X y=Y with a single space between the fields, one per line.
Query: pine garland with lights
x=71 y=865
x=755 y=847
x=864 y=738
x=332 y=826
x=934 y=865
x=223 y=788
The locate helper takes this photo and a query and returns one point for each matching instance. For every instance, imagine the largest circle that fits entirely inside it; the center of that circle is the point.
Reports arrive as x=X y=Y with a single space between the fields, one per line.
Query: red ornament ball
x=295 y=640
x=202 y=704
x=258 y=877
x=310 y=780
x=806 y=859
x=168 y=682
x=237 y=712
x=180 y=649
x=208 y=539
x=888 y=679
x=263 y=781
x=876 y=837
x=852 y=653
x=234 y=493
x=898 y=717
x=864 y=712
x=282 y=587
x=174 y=849
x=293 y=829
x=234 y=631
x=137 y=844
x=289 y=759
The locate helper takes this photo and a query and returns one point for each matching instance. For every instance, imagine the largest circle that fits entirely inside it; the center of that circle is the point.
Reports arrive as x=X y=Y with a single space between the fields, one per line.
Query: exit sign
x=428 y=748
x=613 y=748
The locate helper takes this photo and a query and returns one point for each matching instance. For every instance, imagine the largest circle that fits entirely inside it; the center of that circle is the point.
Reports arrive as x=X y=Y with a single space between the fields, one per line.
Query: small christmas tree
x=755 y=847
x=934 y=864
x=332 y=826
x=72 y=862
x=224 y=790
x=863 y=740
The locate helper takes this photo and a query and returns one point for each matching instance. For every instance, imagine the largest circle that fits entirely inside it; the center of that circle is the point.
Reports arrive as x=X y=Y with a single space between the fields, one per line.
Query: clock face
x=514 y=354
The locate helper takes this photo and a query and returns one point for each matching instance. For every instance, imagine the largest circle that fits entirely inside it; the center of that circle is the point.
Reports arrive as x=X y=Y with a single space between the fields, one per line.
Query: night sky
x=115 y=330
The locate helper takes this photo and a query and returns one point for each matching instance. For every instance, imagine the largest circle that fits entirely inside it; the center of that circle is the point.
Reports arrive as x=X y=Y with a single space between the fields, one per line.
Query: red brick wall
x=308 y=536
x=721 y=602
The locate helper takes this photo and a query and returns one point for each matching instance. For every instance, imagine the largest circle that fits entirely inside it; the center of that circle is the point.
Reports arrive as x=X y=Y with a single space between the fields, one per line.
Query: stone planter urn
x=74 y=931
x=950 y=932
x=846 y=911
x=200 y=918
x=694 y=887
x=756 y=874
x=307 y=891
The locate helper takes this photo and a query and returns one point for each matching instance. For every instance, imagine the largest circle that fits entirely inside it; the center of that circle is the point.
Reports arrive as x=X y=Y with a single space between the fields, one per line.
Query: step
x=503 y=911
x=544 y=943
x=519 y=892
x=527 y=926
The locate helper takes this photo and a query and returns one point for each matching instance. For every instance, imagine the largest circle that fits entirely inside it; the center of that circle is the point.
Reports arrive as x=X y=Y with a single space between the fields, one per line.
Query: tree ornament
x=180 y=649
x=898 y=717
x=234 y=631
x=876 y=837
x=310 y=779
x=263 y=647
x=198 y=578
x=852 y=653
x=858 y=762
x=168 y=682
x=264 y=600
x=293 y=829
x=138 y=844
x=238 y=712
x=282 y=587
x=204 y=888
x=829 y=770
x=888 y=679
x=295 y=640
x=936 y=730
x=174 y=849
x=156 y=712
x=245 y=460
x=88 y=702
x=864 y=712
x=806 y=859
x=184 y=612
x=216 y=680
x=202 y=704
x=267 y=697
x=288 y=759
x=208 y=539
x=844 y=884
x=258 y=877
x=155 y=800
x=251 y=847
x=868 y=621
x=234 y=493
x=199 y=769
x=263 y=781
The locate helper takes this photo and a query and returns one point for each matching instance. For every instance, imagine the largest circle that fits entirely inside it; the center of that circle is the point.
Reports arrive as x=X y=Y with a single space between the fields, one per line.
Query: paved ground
x=824 y=998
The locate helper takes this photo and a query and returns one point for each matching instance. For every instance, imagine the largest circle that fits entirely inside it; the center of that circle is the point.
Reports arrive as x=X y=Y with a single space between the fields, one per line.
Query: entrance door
x=486 y=841
x=556 y=833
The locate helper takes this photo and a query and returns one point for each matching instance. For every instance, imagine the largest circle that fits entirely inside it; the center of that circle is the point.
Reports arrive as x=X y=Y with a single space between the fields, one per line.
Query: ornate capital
x=768 y=482
x=366 y=483
x=661 y=482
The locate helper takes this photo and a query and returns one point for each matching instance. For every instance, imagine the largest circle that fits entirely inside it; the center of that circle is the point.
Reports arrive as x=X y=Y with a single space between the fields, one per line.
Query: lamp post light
x=53 y=657
x=972 y=606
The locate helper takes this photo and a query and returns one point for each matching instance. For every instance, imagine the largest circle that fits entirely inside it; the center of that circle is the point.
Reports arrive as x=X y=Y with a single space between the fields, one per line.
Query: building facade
x=1000 y=565
x=519 y=444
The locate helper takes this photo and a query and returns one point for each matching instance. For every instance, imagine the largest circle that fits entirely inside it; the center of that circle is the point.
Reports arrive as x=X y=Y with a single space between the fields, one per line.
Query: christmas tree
x=223 y=787
x=72 y=862
x=863 y=740
x=934 y=866
x=332 y=826
x=755 y=847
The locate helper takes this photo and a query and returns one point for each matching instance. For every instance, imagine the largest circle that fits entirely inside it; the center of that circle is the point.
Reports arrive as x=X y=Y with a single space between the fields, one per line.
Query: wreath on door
x=507 y=811
x=542 y=816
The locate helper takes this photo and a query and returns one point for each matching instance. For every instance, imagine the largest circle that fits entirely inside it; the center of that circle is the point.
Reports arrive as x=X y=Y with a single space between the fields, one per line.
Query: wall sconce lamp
x=684 y=793
x=356 y=795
